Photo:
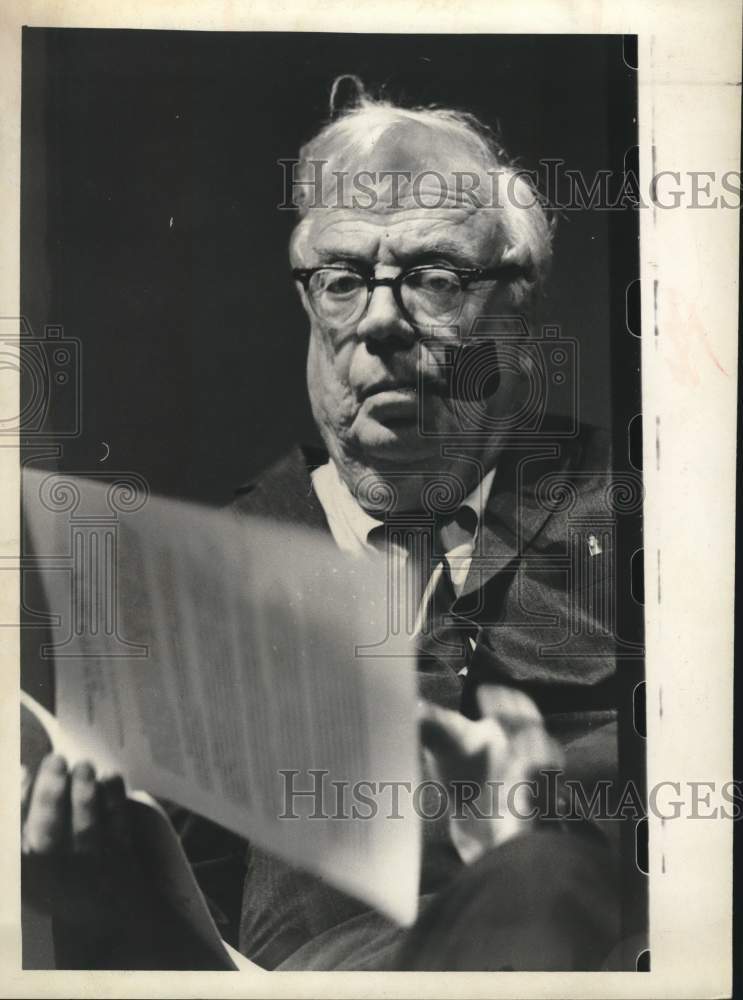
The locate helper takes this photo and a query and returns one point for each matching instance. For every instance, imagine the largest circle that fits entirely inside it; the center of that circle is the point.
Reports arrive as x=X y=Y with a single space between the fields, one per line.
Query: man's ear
x=295 y=260
x=303 y=298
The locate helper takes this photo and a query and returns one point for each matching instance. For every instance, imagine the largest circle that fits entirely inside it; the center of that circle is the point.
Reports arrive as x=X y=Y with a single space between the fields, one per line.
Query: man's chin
x=391 y=442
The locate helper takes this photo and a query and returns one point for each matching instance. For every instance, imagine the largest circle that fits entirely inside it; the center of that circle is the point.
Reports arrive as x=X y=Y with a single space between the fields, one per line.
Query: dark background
x=192 y=337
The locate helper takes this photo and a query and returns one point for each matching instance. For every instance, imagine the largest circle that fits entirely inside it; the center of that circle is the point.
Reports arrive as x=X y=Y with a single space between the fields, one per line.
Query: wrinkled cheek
x=439 y=415
x=330 y=397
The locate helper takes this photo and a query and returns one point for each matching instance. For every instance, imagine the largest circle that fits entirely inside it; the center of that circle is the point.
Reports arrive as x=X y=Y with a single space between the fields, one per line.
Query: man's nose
x=383 y=320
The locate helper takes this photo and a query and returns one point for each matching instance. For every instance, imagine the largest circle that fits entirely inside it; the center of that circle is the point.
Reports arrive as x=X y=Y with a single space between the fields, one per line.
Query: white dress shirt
x=351 y=526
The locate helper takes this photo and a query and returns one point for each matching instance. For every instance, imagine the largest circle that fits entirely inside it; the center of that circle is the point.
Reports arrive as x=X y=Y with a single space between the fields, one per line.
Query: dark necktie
x=420 y=584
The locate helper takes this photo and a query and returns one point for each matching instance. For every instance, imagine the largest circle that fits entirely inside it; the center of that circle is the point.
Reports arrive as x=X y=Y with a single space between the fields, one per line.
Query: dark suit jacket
x=537 y=602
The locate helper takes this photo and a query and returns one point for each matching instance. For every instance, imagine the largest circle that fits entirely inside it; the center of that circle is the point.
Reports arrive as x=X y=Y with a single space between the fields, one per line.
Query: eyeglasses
x=426 y=295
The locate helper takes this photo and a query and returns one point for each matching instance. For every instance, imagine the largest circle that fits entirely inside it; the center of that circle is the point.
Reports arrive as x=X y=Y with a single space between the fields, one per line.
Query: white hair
x=357 y=126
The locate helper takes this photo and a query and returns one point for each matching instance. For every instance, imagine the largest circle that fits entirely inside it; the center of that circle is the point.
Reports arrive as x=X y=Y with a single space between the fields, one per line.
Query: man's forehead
x=461 y=233
x=405 y=164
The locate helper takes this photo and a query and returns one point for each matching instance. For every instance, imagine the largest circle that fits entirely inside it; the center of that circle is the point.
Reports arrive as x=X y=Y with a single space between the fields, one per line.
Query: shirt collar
x=350 y=524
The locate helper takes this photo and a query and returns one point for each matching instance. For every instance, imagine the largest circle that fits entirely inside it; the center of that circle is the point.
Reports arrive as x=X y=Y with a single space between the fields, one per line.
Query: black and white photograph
x=339 y=562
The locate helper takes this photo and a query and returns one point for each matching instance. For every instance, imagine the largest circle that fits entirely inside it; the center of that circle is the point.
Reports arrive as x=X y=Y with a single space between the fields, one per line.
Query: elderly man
x=419 y=255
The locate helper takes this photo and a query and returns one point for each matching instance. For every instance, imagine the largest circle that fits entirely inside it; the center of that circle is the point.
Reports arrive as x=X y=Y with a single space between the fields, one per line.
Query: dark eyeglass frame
x=465 y=275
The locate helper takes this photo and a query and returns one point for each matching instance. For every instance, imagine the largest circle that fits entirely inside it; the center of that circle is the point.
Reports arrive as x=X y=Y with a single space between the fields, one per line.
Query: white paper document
x=231 y=665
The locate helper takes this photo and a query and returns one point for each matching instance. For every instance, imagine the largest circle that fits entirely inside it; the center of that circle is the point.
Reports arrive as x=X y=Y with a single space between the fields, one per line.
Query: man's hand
x=486 y=766
x=79 y=862
x=73 y=813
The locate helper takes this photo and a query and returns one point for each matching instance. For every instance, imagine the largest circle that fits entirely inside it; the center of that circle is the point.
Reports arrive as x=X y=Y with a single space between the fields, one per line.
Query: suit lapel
x=514 y=516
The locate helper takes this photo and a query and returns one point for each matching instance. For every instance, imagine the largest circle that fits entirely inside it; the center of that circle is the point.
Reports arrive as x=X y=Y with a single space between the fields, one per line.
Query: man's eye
x=436 y=282
x=342 y=284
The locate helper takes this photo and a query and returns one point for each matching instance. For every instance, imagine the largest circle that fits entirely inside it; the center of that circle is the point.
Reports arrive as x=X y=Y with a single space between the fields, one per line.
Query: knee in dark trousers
x=547 y=901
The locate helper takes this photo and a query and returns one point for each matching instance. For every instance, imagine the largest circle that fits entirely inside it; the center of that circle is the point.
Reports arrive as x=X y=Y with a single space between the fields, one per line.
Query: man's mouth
x=397 y=402
x=386 y=386
x=427 y=384
x=389 y=405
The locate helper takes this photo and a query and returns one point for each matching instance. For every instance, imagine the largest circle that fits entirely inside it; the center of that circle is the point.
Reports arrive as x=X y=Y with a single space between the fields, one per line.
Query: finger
x=84 y=809
x=536 y=748
x=443 y=731
x=116 y=812
x=514 y=709
x=450 y=732
x=46 y=823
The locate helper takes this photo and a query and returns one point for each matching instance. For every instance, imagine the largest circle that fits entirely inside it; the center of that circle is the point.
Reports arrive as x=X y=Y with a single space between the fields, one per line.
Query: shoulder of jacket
x=284 y=492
